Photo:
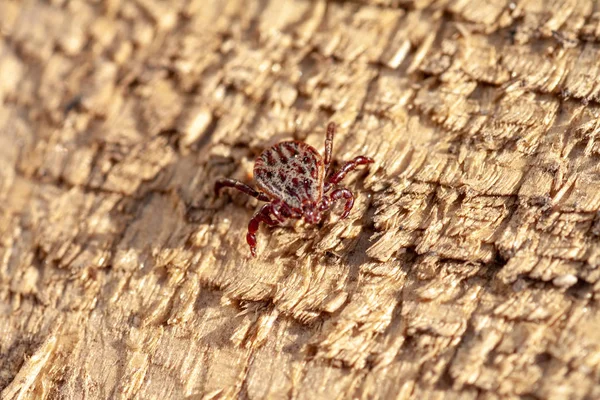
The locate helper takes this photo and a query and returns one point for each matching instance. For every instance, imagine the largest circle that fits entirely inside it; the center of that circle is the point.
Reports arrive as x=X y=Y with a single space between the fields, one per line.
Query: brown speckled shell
x=292 y=172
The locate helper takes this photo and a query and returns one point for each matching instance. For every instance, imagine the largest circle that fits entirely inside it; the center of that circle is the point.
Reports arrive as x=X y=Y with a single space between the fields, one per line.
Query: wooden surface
x=469 y=267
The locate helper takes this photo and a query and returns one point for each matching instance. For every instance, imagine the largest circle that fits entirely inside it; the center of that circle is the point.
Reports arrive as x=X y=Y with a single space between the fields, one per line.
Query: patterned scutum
x=292 y=172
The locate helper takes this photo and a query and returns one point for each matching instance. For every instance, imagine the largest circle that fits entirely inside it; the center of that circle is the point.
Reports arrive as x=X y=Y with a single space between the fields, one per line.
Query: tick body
x=296 y=182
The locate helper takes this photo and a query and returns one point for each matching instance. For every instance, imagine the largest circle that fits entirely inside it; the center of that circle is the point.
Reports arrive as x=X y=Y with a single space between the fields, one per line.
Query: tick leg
x=346 y=194
x=325 y=204
x=242 y=187
x=278 y=210
x=263 y=215
x=329 y=145
x=281 y=211
x=346 y=168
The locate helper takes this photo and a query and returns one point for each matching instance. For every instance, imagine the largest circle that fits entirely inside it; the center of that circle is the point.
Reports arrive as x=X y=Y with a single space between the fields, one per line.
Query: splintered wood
x=468 y=268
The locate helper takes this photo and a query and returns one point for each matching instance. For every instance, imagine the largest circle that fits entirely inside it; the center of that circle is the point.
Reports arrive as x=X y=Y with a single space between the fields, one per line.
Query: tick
x=296 y=182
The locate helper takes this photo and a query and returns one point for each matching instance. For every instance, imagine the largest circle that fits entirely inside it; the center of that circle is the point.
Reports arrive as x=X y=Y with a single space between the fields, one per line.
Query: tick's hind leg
x=345 y=194
x=346 y=168
x=263 y=215
x=242 y=187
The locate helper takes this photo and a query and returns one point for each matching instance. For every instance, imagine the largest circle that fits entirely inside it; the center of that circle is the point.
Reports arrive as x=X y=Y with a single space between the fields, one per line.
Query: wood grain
x=468 y=268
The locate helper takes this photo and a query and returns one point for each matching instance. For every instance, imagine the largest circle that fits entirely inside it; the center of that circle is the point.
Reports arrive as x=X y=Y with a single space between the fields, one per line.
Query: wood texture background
x=468 y=268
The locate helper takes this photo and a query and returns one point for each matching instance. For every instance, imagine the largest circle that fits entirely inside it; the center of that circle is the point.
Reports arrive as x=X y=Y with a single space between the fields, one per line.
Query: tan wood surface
x=468 y=269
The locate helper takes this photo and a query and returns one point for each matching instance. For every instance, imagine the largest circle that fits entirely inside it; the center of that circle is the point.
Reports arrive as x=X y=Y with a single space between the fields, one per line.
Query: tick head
x=312 y=214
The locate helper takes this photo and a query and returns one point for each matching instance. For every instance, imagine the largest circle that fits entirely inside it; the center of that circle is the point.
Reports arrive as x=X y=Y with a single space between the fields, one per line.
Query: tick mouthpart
x=311 y=213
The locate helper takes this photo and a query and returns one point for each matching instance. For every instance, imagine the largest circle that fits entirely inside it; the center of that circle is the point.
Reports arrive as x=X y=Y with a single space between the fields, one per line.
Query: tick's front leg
x=346 y=168
x=345 y=194
x=263 y=215
x=242 y=187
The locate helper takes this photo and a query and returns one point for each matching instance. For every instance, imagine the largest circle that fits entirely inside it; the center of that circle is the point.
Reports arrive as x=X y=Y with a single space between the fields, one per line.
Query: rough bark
x=467 y=269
